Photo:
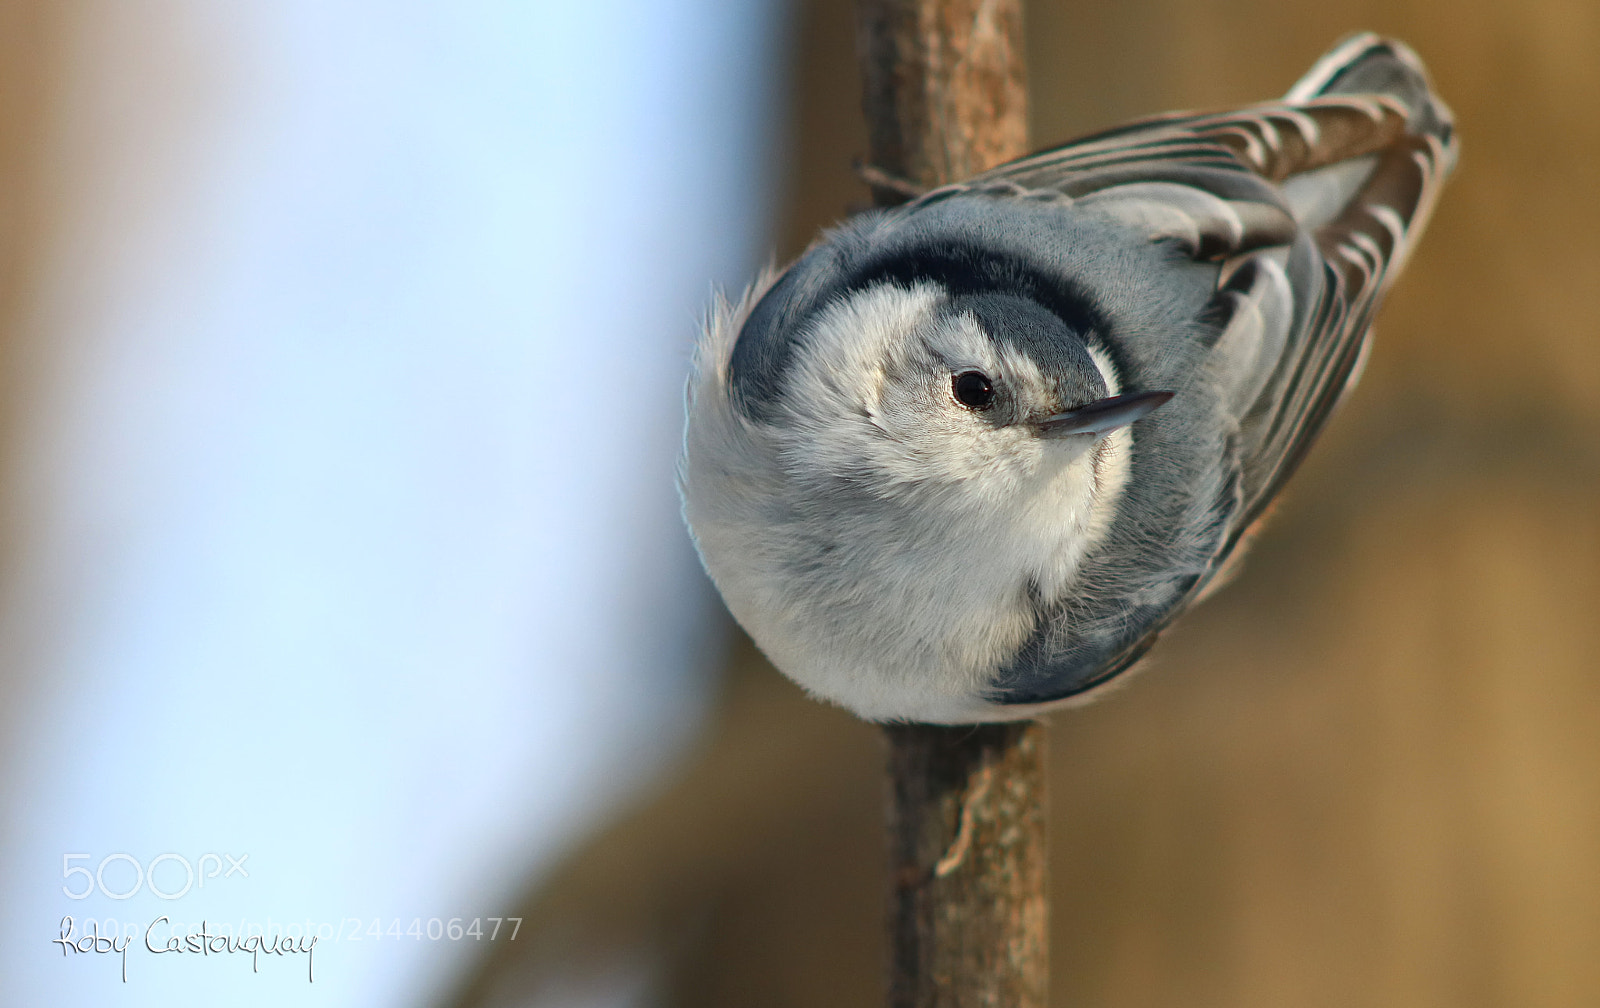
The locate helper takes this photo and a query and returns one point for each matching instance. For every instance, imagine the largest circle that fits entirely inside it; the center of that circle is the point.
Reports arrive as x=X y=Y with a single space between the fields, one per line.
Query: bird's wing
x=1311 y=205
x=1307 y=207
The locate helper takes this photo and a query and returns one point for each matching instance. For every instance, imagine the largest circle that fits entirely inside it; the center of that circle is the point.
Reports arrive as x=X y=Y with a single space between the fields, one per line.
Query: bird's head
x=949 y=402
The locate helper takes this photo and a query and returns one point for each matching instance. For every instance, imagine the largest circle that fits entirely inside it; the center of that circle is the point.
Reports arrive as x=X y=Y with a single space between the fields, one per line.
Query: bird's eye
x=972 y=390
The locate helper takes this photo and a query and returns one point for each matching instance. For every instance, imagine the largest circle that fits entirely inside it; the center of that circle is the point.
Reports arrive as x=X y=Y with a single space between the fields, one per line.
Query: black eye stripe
x=973 y=390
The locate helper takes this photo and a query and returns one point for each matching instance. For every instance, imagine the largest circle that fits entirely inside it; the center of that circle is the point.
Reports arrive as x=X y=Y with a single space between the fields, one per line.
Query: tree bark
x=968 y=918
x=945 y=97
x=945 y=92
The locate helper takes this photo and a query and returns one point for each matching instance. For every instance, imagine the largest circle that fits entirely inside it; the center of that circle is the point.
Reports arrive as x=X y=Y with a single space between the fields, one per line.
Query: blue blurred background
x=347 y=348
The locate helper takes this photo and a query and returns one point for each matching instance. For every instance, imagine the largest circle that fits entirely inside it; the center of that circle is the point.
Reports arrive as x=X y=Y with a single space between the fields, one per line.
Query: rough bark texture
x=945 y=98
x=967 y=910
x=945 y=92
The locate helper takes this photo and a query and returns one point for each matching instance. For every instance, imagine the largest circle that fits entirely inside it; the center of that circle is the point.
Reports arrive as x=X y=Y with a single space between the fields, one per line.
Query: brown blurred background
x=1367 y=773
x=31 y=36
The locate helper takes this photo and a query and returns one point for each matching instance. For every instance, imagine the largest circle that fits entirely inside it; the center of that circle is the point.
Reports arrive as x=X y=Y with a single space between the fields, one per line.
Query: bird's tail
x=1368 y=64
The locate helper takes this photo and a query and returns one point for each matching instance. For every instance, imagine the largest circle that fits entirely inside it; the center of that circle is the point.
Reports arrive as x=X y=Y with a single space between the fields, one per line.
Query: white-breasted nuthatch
x=966 y=458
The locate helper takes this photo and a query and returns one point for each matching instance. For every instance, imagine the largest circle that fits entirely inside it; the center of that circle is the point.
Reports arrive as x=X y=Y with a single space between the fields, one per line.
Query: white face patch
x=870 y=396
x=1108 y=370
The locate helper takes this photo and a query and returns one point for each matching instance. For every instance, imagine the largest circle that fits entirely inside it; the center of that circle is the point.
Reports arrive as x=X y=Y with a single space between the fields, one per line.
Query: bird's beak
x=1100 y=418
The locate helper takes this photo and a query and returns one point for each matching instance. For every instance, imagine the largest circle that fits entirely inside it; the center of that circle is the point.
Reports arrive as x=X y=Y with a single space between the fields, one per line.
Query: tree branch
x=945 y=98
